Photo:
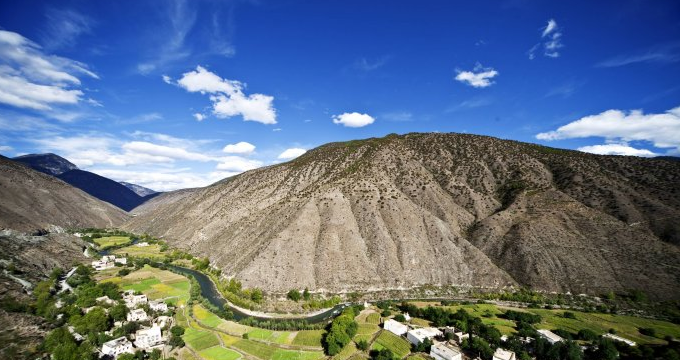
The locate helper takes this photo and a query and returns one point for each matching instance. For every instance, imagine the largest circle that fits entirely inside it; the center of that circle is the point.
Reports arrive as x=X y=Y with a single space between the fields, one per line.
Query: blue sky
x=173 y=94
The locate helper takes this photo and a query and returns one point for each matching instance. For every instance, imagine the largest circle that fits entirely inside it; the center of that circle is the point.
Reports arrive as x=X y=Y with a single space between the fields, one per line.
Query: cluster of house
x=449 y=350
x=145 y=339
x=107 y=262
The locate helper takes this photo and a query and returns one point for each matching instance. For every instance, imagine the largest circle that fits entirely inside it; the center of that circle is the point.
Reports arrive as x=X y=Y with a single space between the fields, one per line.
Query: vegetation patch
x=110 y=241
x=373 y=318
x=200 y=339
x=219 y=353
x=397 y=345
x=308 y=338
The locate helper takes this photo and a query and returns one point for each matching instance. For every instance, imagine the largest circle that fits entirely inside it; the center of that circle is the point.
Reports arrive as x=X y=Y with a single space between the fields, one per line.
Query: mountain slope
x=436 y=209
x=48 y=163
x=138 y=189
x=30 y=200
x=98 y=186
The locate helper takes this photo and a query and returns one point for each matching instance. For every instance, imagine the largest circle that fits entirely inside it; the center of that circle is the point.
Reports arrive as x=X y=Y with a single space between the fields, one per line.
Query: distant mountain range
x=123 y=195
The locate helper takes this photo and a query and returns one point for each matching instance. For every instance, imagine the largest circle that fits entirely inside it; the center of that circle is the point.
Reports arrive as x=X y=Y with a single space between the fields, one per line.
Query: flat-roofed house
x=148 y=338
x=550 y=336
x=116 y=347
x=502 y=354
x=620 y=339
x=137 y=315
x=158 y=306
x=416 y=336
x=443 y=351
x=395 y=327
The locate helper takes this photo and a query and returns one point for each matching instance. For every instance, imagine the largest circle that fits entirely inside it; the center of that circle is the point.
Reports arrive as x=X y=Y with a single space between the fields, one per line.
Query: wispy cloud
x=473 y=103
x=31 y=79
x=63 y=27
x=551 y=41
x=398 y=116
x=566 y=89
x=367 y=65
x=617 y=149
x=668 y=53
x=479 y=77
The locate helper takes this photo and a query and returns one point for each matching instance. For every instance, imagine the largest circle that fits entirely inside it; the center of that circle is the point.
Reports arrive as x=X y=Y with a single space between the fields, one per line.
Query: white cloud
x=6 y=148
x=664 y=53
x=551 y=42
x=367 y=65
x=616 y=149
x=662 y=130
x=238 y=164
x=63 y=27
x=291 y=153
x=353 y=119
x=199 y=116
x=167 y=79
x=31 y=79
x=228 y=98
x=239 y=148
x=147 y=148
x=161 y=179
x=398 y=116
x=479 y=77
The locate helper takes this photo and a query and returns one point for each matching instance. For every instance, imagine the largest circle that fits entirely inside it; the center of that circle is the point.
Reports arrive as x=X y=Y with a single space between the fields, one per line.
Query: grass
x=206 y=317
x=308 y=338
x=200 y=339
x=153 y=251
x=373 y=318
x=233 y=327
x=420 y=322
x=397 y=345
x=282 y=354
x=255 y=348
x=346 y=352
x=219 y=353
x=109 y=241
x=365 y=329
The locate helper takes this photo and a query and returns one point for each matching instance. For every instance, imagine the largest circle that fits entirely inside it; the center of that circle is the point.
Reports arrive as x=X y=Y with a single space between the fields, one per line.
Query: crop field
x=206 y=317
x=347 y=352
x=373 y=318
x=200 y=339
x=157 y=284
x=153 y=251
x=267 y=352
x=233 y=327
x=308 y=338
x=397 y=345
x=219 y=353
x=106 y=242
x=278 y=337
x=367 y=329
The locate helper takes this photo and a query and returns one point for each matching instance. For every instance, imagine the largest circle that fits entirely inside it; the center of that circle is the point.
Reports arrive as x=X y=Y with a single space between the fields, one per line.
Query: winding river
x=210 y=292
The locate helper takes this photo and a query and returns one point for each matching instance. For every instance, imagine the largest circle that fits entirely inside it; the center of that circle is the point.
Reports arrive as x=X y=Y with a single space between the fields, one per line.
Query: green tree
x=383 y=354
x=94 y=321
x=118 y=312
x=294 y=295
x=155 y=354
x=256 y=295
x=306 y=295
x=177 y=330
x=362 y=345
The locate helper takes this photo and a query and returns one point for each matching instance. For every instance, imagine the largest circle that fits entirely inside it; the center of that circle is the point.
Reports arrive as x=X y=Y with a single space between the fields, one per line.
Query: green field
x=309 y=338
x=106 y=242
x=153 y=251
x=373 y=318
x=219 y=353
x=200 y=339
x=156 y=284
x=206 y=317
x=625 y=326
x=367 y=329
x=347 y=352
x=397 y=345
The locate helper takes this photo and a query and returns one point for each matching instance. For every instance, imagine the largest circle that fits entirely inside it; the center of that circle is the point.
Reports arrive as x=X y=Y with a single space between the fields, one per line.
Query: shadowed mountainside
x=420 y=209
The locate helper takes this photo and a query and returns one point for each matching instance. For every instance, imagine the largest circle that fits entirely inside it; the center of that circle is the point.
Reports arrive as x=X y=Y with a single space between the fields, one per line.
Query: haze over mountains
x=430 y=208
x=124 y=195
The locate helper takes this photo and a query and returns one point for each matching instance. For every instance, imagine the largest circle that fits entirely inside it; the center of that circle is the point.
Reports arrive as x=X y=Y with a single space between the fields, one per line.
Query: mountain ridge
x=416 y=209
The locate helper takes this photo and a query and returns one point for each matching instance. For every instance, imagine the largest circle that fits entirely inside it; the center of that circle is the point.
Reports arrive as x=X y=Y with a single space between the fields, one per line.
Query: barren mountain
x=31 y=200
x=420 y=209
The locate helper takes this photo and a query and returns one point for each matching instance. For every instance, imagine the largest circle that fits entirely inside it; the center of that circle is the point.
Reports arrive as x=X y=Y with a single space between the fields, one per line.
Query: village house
x=132 y=300
x=103 y=263
x=620 y=339
x=117 y=346
x=137 y=315
x=120 y=260
x=417 y=336
x=460 y=336
x=395 y=327
x=148 y=338
x=443 y=351
x=105 y=300
x=163 y=321
x=158 y=306
x=502 y=354
x=550 y=336
x=143 y=244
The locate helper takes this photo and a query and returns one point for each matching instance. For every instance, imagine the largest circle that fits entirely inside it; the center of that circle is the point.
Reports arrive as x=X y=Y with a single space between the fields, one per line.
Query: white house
x=620 y=339
x=143 y=244
x=100 y=265
x=407 y=316
x=121 y=260
x=148 y=338
x=158 y=306
x=395 y=327
x=132 y=301
x=117 y=346
x=137 y=315
x=460 y=336
x=416 y=336
x=550 y=336
x=163 y=321
x=502 y=354
x=442 y=351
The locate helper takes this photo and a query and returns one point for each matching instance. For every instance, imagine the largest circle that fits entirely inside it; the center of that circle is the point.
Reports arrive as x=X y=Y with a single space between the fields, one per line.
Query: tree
x=176 y=341
x=177 y=330
x=400 y=318
x=384 y=354
x=306 y=295
x=362 y=345
x=386 y=313
x=294 y=295
x=118 y=312
x=256 y=295
x=569 y=315
x=94 y=321
x=126 y=356
x=606 y=350
x=587 y=334
x=155 y=355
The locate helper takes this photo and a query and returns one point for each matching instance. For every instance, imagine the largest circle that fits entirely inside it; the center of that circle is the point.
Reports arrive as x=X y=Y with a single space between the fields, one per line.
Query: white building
x=460 y=336
x=620 y=339
x=158 y=306
x=407 y=317
x=116 y=347
x=395 y=327
x=442 y=351
x=550 y=336
x=148 y=338
x=100 y=265
x=416 y=336
x=132 y=301
x=137 y=315
x=163 y=321
x=121 y=260
x=143 y=244
x=502 y=354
